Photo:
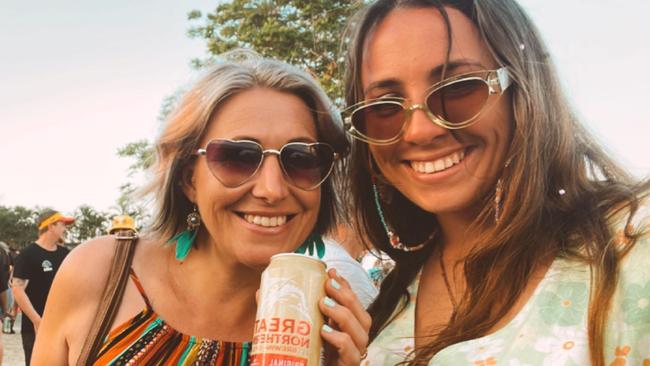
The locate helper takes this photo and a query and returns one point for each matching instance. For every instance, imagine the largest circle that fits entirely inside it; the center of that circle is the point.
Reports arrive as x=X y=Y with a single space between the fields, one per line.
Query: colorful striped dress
x=147 y=340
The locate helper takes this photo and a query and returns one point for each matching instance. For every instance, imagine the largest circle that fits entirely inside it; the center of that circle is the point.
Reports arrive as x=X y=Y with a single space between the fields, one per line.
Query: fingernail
x=327 y=328
x=335 y=284
x=329 y=302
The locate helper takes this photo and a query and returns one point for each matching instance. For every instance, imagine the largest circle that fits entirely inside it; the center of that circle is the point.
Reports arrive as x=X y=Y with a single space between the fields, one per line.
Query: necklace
x=454 y=304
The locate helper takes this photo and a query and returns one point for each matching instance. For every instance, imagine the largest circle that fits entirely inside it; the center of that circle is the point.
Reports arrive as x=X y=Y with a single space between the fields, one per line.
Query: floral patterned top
x=551 y=328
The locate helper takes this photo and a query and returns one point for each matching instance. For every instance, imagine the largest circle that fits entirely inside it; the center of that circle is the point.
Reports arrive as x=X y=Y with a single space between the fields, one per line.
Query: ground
x=13 y=347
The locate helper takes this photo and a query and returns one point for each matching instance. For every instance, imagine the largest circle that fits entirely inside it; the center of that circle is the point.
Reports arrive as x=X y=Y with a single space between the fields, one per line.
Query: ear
x=188 y=183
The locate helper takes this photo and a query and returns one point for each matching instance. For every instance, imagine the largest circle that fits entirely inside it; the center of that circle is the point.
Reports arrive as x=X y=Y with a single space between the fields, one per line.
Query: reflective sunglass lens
x=379 y=120
x=233 y=162
x=460 y=101
x=307 y=165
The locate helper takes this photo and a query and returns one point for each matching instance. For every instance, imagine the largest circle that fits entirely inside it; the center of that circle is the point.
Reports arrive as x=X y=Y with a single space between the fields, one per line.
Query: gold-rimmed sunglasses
x=453 y=103
x=234 y=162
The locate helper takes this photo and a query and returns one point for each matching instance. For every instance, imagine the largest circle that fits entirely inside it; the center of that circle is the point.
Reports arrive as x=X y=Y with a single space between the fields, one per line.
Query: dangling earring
x=313 y=243
x=498 y=194
x=393 y=238
x=185 y=239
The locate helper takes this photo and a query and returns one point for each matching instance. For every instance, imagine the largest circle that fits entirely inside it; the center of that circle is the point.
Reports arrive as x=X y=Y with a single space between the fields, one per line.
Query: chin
x=259 y=259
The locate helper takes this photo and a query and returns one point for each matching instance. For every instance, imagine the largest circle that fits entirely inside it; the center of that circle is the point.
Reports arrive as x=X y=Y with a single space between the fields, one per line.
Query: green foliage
x=127 y=205
x=89 y=224
x=306 y=33
x=18 y=226
x=141 y=154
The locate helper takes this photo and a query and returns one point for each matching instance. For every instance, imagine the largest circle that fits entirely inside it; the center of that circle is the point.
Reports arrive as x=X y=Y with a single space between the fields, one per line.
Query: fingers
x=349 y=323
x=340 y=290
x=347 y=353
x=342 y=319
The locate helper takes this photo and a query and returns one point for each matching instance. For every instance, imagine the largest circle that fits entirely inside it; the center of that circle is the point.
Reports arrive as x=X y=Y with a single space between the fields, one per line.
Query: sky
x=80 y=79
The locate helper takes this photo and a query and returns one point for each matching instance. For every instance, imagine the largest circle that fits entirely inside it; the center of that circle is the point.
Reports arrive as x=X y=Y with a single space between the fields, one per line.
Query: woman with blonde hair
x=517 y=240
x=244 y=171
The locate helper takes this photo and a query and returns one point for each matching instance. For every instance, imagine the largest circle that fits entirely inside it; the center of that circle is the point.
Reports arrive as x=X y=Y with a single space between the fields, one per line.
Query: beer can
x=288 y=321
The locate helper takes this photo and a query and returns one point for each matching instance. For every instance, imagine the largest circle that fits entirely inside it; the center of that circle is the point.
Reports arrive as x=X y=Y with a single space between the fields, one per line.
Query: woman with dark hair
x=244 y=170
x=517 y=240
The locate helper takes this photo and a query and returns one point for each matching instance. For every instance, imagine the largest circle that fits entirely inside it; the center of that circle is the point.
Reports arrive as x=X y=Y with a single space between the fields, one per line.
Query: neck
x=455 y=235
x=47 y=241
x=222 y=285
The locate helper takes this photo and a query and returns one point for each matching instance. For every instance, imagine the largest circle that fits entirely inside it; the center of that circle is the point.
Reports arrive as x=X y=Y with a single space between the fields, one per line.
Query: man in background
x=34 y=272
x=4 y=285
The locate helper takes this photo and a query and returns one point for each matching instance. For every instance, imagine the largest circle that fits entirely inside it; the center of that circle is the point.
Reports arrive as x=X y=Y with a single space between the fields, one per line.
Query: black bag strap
x=111 y=297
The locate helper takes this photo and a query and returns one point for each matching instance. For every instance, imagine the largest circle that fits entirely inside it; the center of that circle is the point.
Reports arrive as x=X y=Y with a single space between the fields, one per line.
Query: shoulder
x=85 y=269
x=26 y=251
x=631 y=304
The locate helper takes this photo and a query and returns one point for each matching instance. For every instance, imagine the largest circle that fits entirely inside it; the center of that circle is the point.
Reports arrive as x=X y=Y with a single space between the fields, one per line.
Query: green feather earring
x=185 y=239
x=313 y=244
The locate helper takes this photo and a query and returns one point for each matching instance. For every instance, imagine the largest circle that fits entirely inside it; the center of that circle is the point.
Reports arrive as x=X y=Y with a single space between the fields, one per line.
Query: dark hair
x=235 y=72
x=549 y=150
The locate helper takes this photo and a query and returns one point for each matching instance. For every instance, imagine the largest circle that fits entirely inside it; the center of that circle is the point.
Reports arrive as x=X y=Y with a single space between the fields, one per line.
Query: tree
x=88 y=224
x=306 y=33
x=18 y=226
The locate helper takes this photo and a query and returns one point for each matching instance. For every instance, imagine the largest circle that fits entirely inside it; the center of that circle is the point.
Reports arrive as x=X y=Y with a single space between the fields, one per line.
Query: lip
x=438 y=177
x=437 y=155
x=265 y=230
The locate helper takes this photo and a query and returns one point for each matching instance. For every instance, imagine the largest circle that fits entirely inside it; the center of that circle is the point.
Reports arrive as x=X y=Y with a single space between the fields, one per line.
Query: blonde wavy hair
x=233 y=73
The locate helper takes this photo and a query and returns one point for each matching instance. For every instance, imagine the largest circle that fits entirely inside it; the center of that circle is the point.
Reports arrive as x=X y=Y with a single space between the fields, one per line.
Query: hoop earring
x=313 y=244
x=393 y=239
x=185 y=239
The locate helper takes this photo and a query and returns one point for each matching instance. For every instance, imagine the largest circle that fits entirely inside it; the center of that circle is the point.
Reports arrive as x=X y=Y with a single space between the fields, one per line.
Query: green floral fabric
x=551 y=328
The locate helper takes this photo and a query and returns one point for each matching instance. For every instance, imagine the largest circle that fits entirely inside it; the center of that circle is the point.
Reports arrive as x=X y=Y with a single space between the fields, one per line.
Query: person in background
x=337 y=256
x=517 y=239
x=34 y=271
x=246 y=169
x=122 y=225
x=4 y=286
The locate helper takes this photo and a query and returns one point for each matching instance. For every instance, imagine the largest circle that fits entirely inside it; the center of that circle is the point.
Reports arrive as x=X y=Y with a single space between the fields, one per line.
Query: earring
x=185 y=239
x=313 y=243
x=393 y=238
x=498 y=193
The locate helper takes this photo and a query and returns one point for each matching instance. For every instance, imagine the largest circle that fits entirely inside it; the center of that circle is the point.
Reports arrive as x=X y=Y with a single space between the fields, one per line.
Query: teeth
x=438 y=165
x=266 y=221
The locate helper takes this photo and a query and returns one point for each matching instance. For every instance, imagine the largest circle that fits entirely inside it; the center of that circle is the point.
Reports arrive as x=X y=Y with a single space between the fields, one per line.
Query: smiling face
x=265 y=215
x=404 y=57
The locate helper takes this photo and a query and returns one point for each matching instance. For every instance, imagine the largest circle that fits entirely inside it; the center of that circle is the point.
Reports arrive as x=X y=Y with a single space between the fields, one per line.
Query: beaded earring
x=313 y=244
x=498 y=194
x=393 y=238
x=185 y=239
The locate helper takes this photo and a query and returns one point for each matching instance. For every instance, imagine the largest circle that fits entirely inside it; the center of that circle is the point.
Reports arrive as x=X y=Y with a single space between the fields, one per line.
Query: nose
x=270 y=184
x=420 y=129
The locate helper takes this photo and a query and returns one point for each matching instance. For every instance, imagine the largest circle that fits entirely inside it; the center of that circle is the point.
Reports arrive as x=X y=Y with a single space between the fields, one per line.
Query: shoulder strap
x=111 y=298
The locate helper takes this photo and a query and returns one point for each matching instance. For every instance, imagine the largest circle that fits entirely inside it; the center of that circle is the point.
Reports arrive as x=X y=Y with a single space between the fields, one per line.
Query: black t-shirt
x=39 y=267
x=4 y=271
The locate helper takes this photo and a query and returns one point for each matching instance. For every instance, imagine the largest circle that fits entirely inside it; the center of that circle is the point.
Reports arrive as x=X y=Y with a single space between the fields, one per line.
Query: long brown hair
x=550 y=150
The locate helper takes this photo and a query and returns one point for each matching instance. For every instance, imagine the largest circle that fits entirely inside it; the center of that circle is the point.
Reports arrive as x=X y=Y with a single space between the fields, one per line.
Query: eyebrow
x=434 y=74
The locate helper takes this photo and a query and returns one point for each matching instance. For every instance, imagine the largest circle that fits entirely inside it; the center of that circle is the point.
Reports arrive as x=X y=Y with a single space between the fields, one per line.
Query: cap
x=49 y=217
x=122 y=222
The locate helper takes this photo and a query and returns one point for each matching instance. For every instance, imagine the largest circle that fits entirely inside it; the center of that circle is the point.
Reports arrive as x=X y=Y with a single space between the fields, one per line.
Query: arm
x=18 y=286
